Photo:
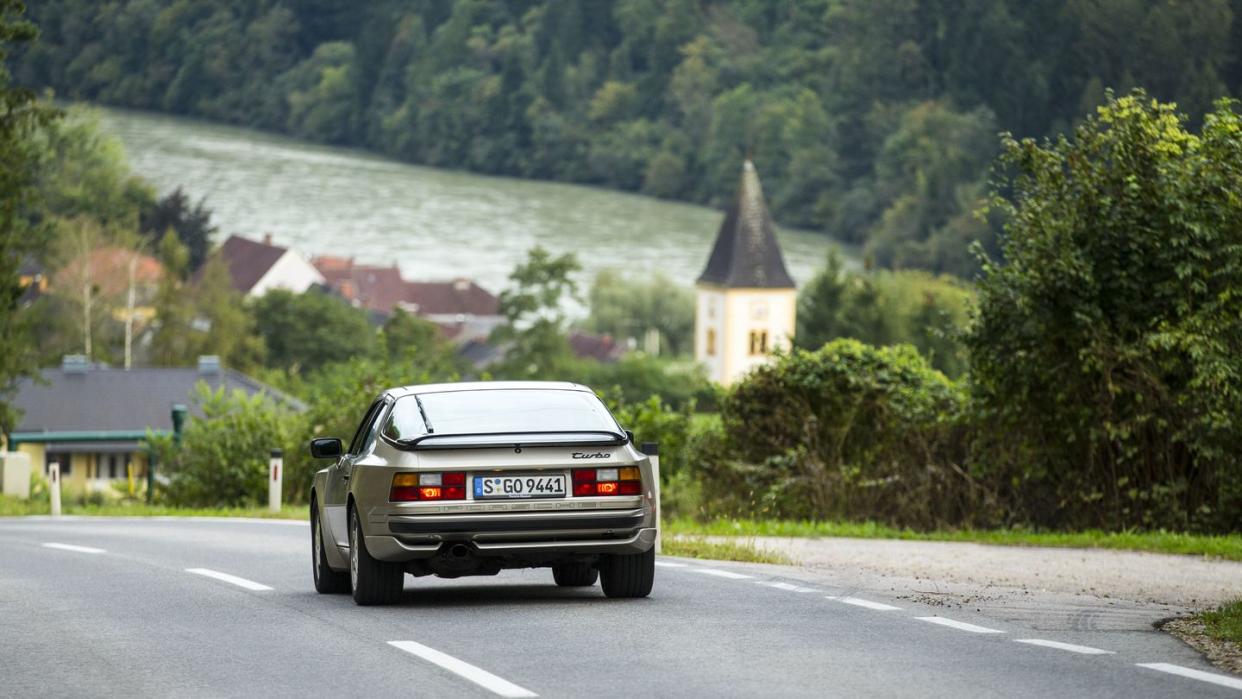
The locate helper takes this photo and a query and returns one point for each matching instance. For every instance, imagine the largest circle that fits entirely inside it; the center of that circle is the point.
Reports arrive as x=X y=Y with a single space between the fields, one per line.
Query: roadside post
x=652 y=450
x=53 y=486
x=274 y=476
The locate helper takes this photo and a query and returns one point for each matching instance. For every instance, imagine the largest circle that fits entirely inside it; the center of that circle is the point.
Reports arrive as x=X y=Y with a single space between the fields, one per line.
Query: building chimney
x=267 y=238
x=208 y=364
x=74 y=364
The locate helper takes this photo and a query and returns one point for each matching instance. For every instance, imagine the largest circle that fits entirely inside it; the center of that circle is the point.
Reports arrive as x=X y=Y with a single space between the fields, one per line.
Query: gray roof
x=746 y=254
x=91 y=397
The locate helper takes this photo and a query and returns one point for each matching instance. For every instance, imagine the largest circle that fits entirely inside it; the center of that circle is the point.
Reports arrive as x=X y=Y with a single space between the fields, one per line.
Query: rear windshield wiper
x=426 y=422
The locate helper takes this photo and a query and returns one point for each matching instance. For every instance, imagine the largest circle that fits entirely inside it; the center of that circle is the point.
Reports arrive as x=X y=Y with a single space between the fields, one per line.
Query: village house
x=93 y=419
x=463 y=309
x=256 y=268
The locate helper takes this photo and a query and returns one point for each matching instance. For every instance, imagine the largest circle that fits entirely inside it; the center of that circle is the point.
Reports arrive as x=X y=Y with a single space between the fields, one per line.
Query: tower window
x=711 y=342
x=758 y=342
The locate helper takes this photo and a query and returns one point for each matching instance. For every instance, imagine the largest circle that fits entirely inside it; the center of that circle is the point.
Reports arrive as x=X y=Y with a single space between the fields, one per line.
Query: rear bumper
x=512 y=535
x=534 y=523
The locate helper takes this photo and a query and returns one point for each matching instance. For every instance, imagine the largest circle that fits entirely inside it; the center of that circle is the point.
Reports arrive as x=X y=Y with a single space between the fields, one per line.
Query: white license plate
x=508 y=487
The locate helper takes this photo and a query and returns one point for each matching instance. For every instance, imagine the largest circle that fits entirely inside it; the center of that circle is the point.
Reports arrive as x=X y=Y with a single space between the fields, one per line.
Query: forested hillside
x=872 y=120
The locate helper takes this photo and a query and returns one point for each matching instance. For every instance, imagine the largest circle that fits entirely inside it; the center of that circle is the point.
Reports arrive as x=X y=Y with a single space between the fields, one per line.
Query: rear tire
x=327 y=581
x=574 y=574
x=628 y=575
x=374 y=581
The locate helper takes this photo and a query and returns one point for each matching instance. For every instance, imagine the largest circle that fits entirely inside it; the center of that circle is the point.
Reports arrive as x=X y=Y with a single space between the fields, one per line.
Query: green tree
x=535 y=317
x=21 y=118
x=410 y=340
x=630 y=308
x=303 y=332
x=1104 y=358
x=192 y=224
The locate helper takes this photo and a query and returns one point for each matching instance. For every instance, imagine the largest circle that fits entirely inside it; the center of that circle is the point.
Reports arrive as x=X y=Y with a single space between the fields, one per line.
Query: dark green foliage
x=1105 y=356
x=192 y=224
x=873 y=120
x=848 y=431
x=21 y=117
x=303 y=332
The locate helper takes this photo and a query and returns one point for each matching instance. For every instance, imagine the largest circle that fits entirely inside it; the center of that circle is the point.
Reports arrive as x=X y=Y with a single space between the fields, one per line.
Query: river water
x=435 y=224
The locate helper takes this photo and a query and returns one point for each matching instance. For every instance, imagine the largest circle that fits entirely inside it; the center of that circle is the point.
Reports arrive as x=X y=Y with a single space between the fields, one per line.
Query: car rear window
x=498 y=411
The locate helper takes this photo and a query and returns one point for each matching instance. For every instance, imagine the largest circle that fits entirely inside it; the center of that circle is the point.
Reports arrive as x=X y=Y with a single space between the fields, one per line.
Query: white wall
x=290 y=272
x=709 y=313
x=735 y=314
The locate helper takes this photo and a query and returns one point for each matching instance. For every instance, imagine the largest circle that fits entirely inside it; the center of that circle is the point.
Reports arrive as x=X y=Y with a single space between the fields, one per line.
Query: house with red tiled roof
x=256 y=268
x=462 y=308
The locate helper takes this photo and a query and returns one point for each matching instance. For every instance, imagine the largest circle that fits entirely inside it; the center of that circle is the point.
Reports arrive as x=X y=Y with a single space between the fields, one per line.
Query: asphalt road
x=119 y=607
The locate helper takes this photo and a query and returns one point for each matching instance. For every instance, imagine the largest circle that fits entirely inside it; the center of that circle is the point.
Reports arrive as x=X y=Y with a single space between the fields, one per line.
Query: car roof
x=417 y=389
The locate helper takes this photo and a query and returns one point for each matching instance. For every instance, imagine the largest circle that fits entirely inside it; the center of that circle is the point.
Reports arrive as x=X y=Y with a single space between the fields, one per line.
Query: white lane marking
x=71 y=547
x=479 y=676
x=786 y=586
x=1085 y=650
x=240 y=582
x=666 y=564
x=866 y=603
x=959 y=625
x=721 y=573
x=1212 y=677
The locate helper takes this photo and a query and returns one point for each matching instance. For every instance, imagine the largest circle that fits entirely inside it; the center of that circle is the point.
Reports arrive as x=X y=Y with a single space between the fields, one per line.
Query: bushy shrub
x=223 y=457
x=847 y=431
x=1105 y=358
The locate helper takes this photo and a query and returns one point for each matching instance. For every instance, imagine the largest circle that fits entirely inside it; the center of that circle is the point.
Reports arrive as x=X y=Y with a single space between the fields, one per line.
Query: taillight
x=626 y=480
x=408 y=487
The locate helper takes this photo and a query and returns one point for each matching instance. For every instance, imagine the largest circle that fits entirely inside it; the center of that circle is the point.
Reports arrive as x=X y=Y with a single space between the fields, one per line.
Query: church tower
x=745 y=299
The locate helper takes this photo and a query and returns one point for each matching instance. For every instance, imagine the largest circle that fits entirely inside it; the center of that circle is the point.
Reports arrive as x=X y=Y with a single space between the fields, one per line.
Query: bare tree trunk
x=129 y=314
x=86 y=317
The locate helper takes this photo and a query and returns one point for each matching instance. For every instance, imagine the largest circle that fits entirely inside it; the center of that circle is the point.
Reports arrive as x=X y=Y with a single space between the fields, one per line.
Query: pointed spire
x=746 y=254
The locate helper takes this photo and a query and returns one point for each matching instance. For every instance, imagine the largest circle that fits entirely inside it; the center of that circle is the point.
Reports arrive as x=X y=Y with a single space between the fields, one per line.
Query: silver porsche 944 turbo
x=472 y=478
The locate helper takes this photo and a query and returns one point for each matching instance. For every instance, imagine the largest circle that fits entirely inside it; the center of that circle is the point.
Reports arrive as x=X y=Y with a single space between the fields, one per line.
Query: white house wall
x=734 y=314
x=290 y=272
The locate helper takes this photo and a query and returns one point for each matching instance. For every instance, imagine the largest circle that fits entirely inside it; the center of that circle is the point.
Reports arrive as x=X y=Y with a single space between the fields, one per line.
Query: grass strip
x=699 y=547
x=1224 y=622
x=12 y=507
x=1227 y=547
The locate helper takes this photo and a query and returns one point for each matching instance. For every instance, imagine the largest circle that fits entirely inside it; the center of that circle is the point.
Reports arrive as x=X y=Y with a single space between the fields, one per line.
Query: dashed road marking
x=73 y=547
x=667 y=564
x=721 y=573
x=461 y=668
x=867 y=604
x=788 y=587
x=959 y=625
x=1231 y=682
x=1085 y=650
x=232 y=579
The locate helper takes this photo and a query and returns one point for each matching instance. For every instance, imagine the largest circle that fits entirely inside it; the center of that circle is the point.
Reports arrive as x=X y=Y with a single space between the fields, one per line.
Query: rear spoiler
x=514 y=440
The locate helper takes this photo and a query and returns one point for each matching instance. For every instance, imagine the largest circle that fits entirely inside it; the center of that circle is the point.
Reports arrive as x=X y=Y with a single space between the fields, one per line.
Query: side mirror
x=325 y=448
x=629 y=436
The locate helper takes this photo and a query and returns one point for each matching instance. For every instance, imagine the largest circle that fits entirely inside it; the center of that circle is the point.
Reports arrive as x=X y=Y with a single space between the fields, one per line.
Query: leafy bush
x=223 y=457
x=1105 y=356
x=847 y=431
